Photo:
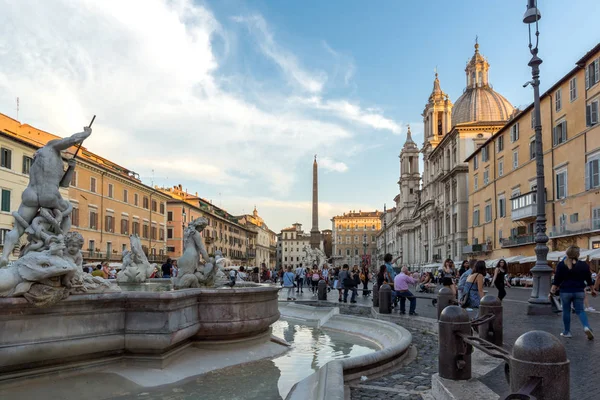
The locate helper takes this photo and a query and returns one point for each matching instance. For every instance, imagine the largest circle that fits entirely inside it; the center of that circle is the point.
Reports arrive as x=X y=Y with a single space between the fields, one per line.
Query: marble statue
x=136 y=267
x=313 y=256
x=49 y=265
x=193 y=271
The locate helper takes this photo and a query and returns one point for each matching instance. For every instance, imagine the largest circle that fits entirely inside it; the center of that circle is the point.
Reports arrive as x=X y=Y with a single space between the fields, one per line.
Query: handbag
x=465 y=300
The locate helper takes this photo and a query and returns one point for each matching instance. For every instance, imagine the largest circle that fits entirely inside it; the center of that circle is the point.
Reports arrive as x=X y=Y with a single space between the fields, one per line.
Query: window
x=484 y=154
x=109 y=223
x=162 y=208
x=476 y=161
x=558 y=100
x=110 y=190
x=27 y=164
x=3 y=233
x=592 y=74
x=476 y=217
x=488 y=213
x=596 y=218
x=153 y=233
x=573 y=89
x=501 y=167
x=135 y=228
x=515 y=159
x=93 y=185
x=136 y=199
x=170 y=234
x=573 y=218
x=500 y=143
x=347 y=252
x=5 y=204
x=170 y=216
x=561 y=184
x=92 y=245
x=145 y=231
x=532 y=149
x=475 y=182
x=514 y=133
x=124 y=226
x=5 y=158
x=154 y=205
x=592 y=172
x=161 y=234
x=559 y=133
x=93 y=219
x=125 y=195
x=75 y=216
x=591 y=113
x=486 y=176
x=145 y=203
x=74 y=179
x=502 y=206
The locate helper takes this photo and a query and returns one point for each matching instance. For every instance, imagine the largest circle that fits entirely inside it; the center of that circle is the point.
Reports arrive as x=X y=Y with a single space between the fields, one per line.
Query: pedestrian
x=387 y=259
x=401 y=291
x=300 y=273
x=448 y=275
x=242 y=275
x=166 y=268
x=571 y=278
x=98 y=271
x=315 y=278
x=232 y=277
x=499 y=280
x=174 y=269
x=464 y=266
x=463 y=279
x=346 y=283
x=364 y=278
x=383 y=276
x=288 y=282
x=325 y=275
x=474 y=287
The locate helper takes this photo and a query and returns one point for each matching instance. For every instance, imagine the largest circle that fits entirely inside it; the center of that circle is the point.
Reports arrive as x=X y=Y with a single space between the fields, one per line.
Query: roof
x=481 y=104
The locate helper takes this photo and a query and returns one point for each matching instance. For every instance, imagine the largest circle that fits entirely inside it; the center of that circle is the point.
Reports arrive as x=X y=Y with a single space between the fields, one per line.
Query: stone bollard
x=385 y=299
x=492 y=331
x=375 y=295
x=322 y=290
x=539 y=354
x=445 y=299
x=454 y=361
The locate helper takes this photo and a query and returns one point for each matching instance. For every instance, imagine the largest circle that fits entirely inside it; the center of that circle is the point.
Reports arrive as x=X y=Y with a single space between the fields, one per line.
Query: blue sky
x=232 y=98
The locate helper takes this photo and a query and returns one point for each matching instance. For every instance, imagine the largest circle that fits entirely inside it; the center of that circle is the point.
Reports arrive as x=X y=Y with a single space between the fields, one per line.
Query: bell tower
x=410 y=176
x=437 y=116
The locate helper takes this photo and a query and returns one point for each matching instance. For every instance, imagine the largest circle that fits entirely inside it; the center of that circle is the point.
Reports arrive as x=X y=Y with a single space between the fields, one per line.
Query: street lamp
x=365 y=248
x=539 y=303
x=182 y=229
x=384 y=230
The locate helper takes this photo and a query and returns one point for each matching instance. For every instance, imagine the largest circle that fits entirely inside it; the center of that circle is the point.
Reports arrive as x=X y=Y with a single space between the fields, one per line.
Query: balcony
x=518 y=240
x=524 y=206
x=574 y=228
x=477 y=248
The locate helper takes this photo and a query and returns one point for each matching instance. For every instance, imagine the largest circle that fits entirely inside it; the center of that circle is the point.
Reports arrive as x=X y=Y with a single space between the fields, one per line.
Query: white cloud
x=330 y=165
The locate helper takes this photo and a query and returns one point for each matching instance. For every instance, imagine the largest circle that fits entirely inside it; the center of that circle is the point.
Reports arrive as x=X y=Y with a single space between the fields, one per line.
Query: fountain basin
x=147 y=326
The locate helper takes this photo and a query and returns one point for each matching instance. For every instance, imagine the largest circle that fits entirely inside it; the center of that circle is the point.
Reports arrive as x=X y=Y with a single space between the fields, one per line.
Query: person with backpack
x=288 y=282
x=300 y=275
x=315 y=278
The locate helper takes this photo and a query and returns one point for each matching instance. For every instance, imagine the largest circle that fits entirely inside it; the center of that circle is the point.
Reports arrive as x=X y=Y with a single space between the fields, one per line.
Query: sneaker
x=589 y=333
x=568 y=334
x=588 y=309
x=402 y=313
x=352 y=301
x=413 y=313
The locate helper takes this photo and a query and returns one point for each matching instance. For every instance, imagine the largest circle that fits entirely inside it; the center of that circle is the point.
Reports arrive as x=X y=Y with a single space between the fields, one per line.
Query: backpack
x=315 y=277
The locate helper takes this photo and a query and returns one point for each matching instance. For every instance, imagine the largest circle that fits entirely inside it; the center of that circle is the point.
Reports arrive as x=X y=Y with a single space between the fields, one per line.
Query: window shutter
x=588 y=175
x=587 y=78
x=588 y=115
x=596 y=70
x=594 y=113
x=564 y=130
x=554 y=138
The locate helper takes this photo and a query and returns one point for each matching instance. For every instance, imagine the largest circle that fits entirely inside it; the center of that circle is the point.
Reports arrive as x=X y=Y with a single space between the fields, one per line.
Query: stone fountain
x=55 y=317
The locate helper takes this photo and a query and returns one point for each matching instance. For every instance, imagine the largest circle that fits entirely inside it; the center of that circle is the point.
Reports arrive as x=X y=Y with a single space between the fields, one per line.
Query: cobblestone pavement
x=408 y=382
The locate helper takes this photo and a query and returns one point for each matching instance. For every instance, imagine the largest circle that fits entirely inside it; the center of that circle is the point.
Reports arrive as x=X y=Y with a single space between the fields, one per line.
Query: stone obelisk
x=315 y=234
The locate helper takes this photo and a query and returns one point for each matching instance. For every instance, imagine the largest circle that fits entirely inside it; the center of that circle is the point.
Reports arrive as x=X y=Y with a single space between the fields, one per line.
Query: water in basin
x=267 y=379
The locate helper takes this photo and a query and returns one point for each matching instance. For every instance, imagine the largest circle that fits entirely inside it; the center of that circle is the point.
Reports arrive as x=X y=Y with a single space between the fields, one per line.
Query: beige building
x=223 y=233
x=109 y=201
x=292 y=243
x=354 y=237
x=265 y=238
x=432 y=207
x=502 y=172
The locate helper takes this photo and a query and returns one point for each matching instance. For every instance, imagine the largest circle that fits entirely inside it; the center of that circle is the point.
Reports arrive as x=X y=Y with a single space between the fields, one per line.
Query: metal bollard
x=491 y=331
x=539 y=367
x=375 y=295
x=322 y=290
x=454 y=361
x=385 y=299
x=445 y=299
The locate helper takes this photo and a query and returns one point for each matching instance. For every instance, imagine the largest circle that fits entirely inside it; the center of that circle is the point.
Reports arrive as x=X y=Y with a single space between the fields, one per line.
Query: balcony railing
x=518 y=240
x=524 y=206
x=477 y=248
x=574 y=228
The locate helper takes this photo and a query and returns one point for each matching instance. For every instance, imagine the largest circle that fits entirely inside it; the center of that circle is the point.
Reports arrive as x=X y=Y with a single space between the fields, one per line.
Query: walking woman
x=448 y=274
x=364 y=277
x=383 y=276
x=288 y=282
x=499 y=279
x=572 y=276
x=474 y=285
x=464 y=266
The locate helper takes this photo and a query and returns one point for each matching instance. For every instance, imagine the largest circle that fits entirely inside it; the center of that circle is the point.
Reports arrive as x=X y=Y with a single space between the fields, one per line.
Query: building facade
x=293 y=240
x=265 y=238
x=432 y=207
x=502 y=172
x=223 y=233
x=109 y=201
x=355 y=237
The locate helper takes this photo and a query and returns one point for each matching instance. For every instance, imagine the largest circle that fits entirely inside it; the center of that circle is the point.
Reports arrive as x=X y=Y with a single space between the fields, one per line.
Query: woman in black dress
x=448 y=274
x=499 y=279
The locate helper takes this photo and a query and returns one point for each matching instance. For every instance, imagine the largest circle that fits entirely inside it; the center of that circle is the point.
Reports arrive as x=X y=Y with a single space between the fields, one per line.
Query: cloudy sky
x=233 y=98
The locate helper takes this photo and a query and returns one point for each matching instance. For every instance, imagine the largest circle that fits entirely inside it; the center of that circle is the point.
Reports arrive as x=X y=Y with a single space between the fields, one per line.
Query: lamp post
x=365 y=248
x=182 y=229
x=539 y=303
x=384 y=230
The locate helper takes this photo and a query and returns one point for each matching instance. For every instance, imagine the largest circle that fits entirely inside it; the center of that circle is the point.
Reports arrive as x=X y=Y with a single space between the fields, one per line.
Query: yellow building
x=354 y=237
x=265 y=238
x=109 y=202
x=223 y=233
x=502 y=172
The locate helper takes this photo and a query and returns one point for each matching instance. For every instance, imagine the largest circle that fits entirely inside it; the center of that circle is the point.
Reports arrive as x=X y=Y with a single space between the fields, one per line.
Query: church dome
x=480 y=102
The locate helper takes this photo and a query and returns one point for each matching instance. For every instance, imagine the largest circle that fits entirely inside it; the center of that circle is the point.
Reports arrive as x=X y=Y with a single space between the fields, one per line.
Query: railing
x=524 y=206
x=574 y=228
x=518 y=240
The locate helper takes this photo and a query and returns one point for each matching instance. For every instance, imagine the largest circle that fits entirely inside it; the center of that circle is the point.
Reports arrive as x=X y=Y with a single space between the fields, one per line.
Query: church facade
x=431 y=218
